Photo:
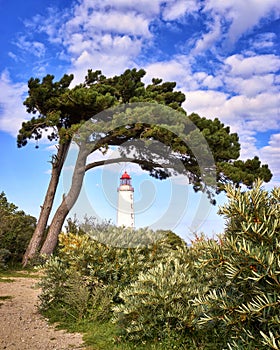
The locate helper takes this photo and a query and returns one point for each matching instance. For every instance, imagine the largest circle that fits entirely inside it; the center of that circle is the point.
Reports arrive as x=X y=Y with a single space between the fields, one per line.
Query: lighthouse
x=125 y=215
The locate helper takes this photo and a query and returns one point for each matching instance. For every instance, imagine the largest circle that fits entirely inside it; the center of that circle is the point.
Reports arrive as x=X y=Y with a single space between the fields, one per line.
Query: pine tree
x=206 y=149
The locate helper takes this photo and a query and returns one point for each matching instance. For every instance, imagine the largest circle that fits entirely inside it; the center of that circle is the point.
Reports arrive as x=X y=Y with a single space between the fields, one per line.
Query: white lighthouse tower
x=125 y=216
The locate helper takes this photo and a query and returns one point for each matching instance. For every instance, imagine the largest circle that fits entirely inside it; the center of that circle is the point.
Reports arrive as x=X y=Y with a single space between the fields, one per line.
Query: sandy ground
x=21 y=325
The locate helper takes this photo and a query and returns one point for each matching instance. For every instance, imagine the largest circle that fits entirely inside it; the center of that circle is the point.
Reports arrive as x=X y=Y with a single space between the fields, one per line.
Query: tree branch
x=122 y=159
x=38 y=125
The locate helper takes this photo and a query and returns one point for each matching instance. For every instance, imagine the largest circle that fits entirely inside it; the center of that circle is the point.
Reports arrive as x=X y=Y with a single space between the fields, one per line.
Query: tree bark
x=67 y=203
x=38 y=235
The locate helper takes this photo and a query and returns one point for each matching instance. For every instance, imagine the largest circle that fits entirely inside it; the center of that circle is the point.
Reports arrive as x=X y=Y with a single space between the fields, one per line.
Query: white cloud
x=106 y=45
x=107 y=35
x=255 y=110
x=252 y=86
x=238 y=65
x=206 y=103
x=12 y=111
x=237 y=109
x=246 y=116
x=51 y=24
x=249 y=102
x=246 y=15
x=226 y=22
x=241 y=15
x=34 y=47
x=110 y=64
x=263 y=41
x=208 y=39
x=98 y=18
x=122 y=23
x=175 y=9
x=147 y=7
x=13 y=56
x=271 y=155
x=212 y=82
x=176 y=69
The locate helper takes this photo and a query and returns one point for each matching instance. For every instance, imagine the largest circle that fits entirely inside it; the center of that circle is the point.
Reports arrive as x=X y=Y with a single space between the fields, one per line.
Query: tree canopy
x=102 y=112
x=65 y=109
x=16 y=229
x=62 y=108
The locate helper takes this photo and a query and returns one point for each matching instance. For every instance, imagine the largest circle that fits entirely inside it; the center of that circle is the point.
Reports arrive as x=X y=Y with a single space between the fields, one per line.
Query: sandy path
x=22 y=327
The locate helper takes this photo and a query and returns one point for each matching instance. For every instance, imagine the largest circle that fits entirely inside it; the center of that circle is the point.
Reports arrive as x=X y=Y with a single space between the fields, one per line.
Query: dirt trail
x=21 y=325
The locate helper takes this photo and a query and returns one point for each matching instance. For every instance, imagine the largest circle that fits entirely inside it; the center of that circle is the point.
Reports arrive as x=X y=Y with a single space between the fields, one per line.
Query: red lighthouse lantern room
x=125 y=179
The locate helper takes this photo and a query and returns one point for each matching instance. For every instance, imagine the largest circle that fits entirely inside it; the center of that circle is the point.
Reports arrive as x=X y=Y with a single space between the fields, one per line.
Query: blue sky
x=224 y=55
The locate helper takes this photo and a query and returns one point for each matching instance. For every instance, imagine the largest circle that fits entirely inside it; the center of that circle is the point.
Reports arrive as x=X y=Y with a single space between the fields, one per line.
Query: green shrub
x=5 y=255
x=215 y=294
x=101 y=270
x=245 y=307
x=52 y=283
x=156 y=303
x=16 y=229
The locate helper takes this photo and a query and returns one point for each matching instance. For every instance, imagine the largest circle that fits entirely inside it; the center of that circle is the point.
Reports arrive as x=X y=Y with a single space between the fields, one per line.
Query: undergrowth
x=215 y=294
x=105 y=335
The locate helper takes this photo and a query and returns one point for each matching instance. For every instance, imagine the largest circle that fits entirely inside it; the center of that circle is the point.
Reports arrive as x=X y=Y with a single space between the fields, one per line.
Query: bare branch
x=122 y=159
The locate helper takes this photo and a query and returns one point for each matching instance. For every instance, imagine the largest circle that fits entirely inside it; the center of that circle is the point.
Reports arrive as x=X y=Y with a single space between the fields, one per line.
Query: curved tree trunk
x=37 y=238
x=70 y=199
x=67 y=204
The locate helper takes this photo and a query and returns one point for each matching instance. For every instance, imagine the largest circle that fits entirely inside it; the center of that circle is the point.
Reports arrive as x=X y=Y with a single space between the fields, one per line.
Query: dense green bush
x=157 y=306
x=157 y=303
x=231 y=286
x=214 y=294
x=5 y=256
x=16 y=229
x=244 y=308
x=102 y=269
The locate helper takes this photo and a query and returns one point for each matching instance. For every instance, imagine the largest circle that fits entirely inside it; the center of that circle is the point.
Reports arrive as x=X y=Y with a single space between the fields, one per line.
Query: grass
x=104 y=335
x=7 y=275
x=6 y=280
x=5 y=297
